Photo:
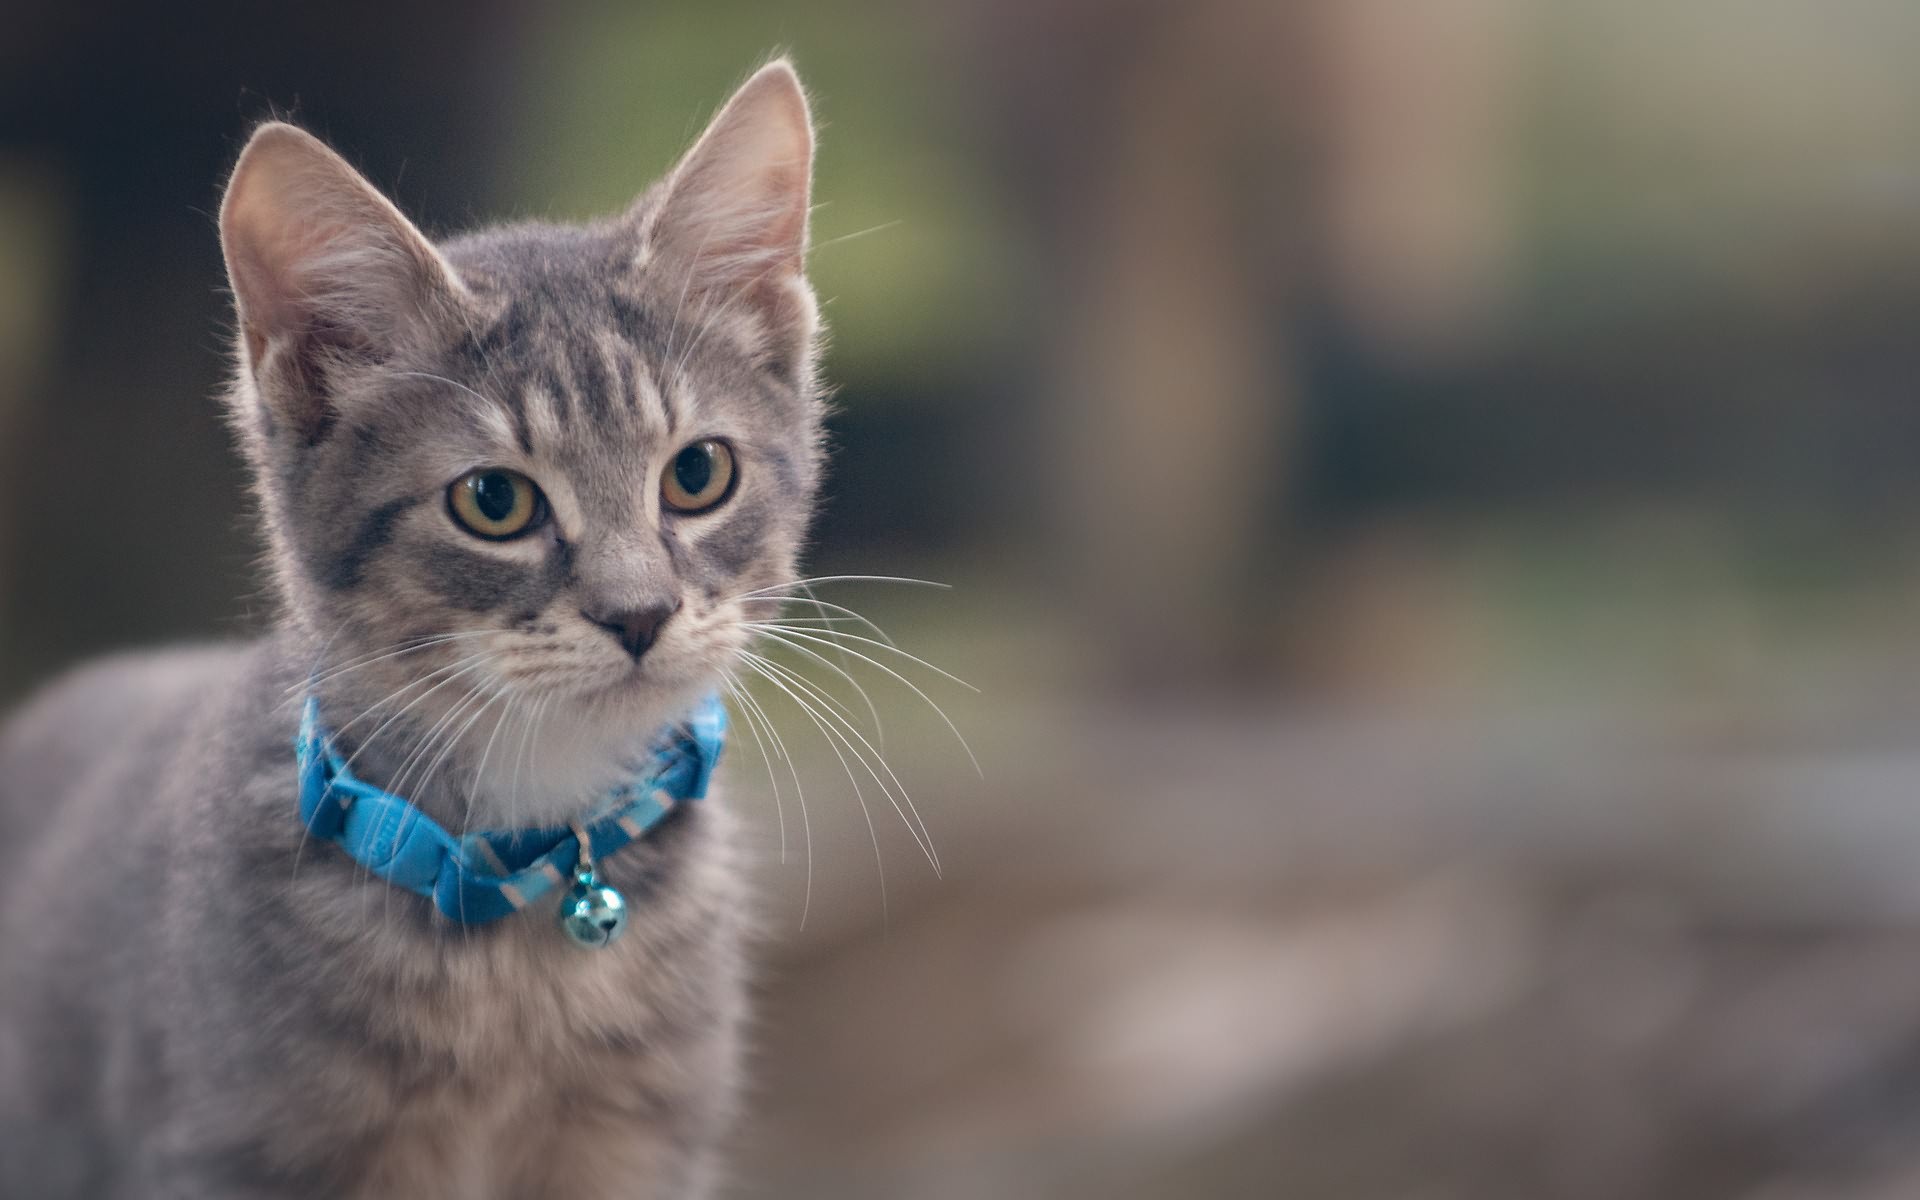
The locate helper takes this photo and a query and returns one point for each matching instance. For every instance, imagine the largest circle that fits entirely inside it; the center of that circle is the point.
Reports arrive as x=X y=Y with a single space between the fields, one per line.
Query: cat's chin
x=585 y=745
x=643 y=696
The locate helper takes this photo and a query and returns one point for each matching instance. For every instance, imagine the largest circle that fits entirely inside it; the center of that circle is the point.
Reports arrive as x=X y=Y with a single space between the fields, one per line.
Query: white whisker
x=426 y=744
x=534 y=709
x=782 y=635
x=473 y=789
x=766 y=760
x=879 y=731
x=849 y=579
x=829 y=697
x=915 y=824
x=833 y=636
x=800 y=792
x=827 y=733
x=393 y=650
x=466 y=665
x=851 y=615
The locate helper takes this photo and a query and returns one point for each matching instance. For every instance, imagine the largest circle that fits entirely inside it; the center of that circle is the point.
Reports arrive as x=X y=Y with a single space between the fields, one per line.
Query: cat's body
x=254 y=1016
x=199 y=1000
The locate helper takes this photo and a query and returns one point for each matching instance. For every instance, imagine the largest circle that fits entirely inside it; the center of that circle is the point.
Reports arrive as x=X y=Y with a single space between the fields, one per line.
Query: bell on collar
x=593 y=914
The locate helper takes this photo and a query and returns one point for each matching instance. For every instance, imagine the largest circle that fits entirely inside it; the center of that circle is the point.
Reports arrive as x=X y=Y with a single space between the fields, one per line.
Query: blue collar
x=485 y=876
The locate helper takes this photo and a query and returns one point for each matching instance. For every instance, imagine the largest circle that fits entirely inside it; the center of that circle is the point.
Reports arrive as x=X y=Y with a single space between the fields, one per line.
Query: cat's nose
x=635 y=628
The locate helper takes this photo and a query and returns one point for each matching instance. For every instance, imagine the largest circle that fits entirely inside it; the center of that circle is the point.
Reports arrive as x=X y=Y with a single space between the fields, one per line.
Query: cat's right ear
x=324 y=269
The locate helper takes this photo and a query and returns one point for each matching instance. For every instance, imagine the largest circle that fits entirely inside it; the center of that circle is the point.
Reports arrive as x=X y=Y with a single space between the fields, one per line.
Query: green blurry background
x=1430 y=494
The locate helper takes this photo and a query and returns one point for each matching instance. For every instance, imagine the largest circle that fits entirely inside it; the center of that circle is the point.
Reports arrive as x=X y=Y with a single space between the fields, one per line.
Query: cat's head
x=539 y=468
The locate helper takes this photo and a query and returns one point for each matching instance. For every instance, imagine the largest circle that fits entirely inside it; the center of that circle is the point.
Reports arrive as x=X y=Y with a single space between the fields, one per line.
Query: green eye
x=496 y=504
x=699 y=477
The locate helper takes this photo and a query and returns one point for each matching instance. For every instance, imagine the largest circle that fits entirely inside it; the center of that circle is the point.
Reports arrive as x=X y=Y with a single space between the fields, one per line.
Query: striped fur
x=245 y=1015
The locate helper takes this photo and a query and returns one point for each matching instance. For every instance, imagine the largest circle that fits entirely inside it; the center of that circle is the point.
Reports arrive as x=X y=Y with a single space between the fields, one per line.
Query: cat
x=521 y=492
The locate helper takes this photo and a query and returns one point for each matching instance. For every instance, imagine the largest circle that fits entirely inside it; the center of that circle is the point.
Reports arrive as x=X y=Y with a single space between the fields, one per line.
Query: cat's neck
x=473 y=760
x=503 y=770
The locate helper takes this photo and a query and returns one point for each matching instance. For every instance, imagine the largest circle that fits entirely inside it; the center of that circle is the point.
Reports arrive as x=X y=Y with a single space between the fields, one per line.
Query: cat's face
x=547 y=472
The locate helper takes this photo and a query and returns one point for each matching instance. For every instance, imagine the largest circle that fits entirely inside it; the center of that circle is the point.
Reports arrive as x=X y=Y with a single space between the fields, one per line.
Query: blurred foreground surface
x=1408 y=945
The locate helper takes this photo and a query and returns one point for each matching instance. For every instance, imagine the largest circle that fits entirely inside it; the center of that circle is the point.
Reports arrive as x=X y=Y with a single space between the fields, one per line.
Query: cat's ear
x=731 y=228
x=323 y=268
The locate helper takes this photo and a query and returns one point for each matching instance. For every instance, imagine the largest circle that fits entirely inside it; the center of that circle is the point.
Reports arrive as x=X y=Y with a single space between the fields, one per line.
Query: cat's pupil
x=693 y=469
x=493 y=494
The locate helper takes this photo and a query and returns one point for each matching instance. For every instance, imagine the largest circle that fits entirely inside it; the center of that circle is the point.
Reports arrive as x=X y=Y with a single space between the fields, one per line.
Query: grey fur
x=195 y=1001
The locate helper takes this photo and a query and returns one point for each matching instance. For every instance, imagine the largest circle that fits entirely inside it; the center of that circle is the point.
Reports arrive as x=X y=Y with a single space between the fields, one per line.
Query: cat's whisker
x=830 y=698
x=533 y=761
x=451 y=743
x=519 y=756
x=781 y=635
x=835 y=636
x=391 y=650
x=479 y=772
x=539 y=734
x=486 y=752
x=827 y=733
x=406 y=762
x=320 y=655
x=363 y=661
x=851 y=615
x=405 y=643
x=902 y=579
x=315 y=675
x=425 y=746
x=912 y=814
x=914 y=823
x=445 y=675
x=800 y=792
x=766 y=760
x=430 y=743
x=300 y=846
x=879 y=730
x=466 y=820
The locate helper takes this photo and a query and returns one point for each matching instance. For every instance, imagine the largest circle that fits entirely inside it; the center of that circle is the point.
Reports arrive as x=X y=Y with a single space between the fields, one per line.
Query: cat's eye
x=699 y=477
x=496 y=504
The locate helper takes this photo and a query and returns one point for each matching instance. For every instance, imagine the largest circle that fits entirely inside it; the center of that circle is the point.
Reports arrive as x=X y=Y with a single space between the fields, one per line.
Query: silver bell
x=593 y=914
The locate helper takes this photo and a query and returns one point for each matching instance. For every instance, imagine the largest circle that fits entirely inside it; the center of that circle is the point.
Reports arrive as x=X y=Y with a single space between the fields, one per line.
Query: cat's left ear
x=730 y=230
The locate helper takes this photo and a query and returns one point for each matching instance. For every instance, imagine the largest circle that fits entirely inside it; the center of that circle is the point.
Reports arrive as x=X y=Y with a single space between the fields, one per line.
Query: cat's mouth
x=650 y=678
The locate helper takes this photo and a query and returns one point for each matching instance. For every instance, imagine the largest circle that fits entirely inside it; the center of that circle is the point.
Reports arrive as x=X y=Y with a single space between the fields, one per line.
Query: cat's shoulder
x=129 y=678
x=106 y=699
x=67 y=750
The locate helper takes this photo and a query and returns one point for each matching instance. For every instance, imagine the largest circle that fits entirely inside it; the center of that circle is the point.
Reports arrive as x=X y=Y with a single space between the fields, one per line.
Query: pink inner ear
x=281 y=283
x=312 y=246
x=737 y=207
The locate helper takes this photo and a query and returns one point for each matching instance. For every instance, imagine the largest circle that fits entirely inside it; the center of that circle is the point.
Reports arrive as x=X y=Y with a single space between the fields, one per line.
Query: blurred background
x=1430 y=494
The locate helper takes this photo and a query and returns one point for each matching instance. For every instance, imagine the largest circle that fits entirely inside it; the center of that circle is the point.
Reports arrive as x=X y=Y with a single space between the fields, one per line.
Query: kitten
x=517 y=488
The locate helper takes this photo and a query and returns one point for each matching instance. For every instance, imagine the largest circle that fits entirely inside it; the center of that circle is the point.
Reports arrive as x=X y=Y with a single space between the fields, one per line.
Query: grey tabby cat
x=517 y=489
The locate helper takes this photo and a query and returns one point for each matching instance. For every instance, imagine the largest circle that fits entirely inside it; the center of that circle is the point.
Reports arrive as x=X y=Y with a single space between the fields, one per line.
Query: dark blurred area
x=1429 y=491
